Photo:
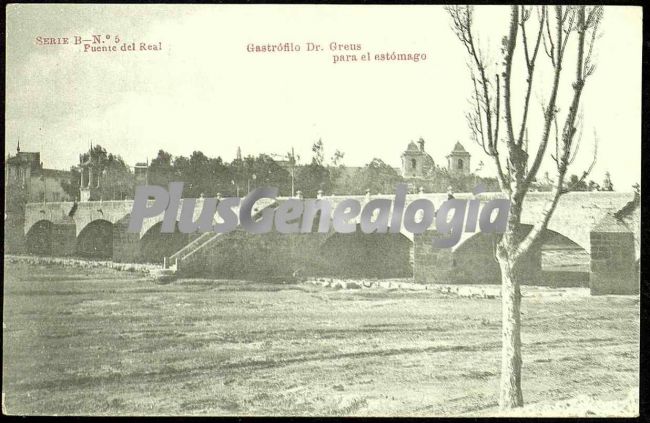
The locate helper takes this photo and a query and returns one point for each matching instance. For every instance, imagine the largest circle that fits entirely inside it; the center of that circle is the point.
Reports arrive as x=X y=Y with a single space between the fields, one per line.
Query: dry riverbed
x=99 y=341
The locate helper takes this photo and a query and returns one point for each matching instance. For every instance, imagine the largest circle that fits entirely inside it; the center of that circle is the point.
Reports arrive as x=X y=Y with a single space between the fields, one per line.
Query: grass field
x=98 y=341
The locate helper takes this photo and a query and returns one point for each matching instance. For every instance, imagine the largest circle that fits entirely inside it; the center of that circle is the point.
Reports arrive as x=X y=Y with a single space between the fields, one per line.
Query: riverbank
x=145 y=268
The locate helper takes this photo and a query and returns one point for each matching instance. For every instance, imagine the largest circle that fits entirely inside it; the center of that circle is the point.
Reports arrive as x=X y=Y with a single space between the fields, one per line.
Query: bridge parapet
x=56 y=213
x=575 y=215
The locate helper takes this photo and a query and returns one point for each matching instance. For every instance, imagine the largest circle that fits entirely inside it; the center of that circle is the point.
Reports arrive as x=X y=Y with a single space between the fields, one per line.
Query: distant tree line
x=207 y=176
x=210 y=176
x=576 y=183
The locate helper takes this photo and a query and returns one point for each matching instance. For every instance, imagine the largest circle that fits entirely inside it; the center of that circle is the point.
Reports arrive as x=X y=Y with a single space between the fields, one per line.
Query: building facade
x=26 y=176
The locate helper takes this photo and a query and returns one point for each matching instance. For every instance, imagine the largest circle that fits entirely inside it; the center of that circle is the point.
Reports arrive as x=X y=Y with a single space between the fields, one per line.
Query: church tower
x=458 y=160
x=416 y=163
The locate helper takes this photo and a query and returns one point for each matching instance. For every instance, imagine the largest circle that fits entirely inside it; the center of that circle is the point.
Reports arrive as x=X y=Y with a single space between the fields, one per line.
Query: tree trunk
x=510 y=392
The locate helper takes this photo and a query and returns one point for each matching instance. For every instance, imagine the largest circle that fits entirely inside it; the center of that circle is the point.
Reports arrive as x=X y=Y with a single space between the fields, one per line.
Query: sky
x=204 y=91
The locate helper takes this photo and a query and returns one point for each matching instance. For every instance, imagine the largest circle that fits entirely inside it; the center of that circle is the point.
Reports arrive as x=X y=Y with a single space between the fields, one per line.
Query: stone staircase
x=191 y=248
x=176 y=260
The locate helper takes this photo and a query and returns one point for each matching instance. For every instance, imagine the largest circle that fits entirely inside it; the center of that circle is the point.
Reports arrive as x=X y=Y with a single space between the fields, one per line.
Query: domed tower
x=416 y=163
x=458 y=160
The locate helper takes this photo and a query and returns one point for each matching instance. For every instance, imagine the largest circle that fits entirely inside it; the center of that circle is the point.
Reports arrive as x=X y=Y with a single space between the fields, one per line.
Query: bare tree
x=492 y=107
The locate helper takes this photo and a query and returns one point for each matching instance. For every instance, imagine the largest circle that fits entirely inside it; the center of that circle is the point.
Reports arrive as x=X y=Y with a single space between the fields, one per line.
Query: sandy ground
x=97 y=341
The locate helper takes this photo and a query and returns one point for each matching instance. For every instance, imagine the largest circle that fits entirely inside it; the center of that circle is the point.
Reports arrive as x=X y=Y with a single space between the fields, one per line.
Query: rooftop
x=412 y=147
x=459 y=150
x=24 y=157
x=459 y=147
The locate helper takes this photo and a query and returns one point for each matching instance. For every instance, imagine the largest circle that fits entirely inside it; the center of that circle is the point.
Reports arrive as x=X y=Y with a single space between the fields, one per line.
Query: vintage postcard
x=322 y=210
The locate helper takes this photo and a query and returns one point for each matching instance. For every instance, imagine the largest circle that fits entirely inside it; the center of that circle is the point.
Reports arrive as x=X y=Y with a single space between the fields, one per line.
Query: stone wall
x=14 y=236
x=474 y=263
x=126 y=245
x=359 y=255
x=242 y=255
x=431 y=265
x=613 y=267
x=576 y=212
x=64 y=236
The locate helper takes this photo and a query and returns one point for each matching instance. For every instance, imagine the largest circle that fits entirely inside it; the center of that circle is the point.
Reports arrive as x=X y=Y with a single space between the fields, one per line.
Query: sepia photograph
x=322 y=210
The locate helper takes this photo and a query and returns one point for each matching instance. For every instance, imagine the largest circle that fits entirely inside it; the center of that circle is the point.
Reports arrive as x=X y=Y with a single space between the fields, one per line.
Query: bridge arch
x=95 y=240
x=40 y=237
x=155 y=245
x=358 y=254
x=474 y=260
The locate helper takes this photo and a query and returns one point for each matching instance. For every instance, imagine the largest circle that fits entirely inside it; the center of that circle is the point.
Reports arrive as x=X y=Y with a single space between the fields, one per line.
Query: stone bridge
x=98 y=228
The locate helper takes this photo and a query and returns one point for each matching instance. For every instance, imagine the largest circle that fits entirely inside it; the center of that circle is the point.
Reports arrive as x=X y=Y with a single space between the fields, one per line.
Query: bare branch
x=589 y=169
x=497 y=116
x=530 y=66
x=522 y=24
x=567 y=28
x=592 y=23
x=541 y=225
x=478 y=114
x=578 y=138
x=550 y=110
x=551 y=48
x=481 y=125
x=557 y=141
x=509 y=45
x=565 y=141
